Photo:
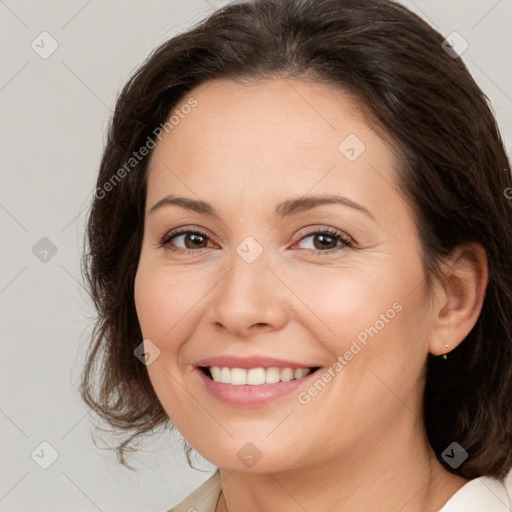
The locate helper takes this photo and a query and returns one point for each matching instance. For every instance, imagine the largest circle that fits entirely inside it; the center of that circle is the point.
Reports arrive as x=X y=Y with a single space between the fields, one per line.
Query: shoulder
x=481 y=494
x=203 y=499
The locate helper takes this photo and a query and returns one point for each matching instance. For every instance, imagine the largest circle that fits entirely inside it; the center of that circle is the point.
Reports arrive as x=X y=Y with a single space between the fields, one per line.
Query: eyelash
x=346 y=242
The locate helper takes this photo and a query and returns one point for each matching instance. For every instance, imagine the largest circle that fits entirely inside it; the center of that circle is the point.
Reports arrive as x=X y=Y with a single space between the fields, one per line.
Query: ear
x=458 y=297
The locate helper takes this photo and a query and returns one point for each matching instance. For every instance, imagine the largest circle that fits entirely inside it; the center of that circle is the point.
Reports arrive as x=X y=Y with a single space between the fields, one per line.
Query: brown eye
x=194 y=240
x=327 y=241
x=185 y=239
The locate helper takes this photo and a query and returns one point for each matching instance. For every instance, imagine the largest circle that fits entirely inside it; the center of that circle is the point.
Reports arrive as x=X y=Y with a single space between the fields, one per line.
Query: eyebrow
x=286 y=208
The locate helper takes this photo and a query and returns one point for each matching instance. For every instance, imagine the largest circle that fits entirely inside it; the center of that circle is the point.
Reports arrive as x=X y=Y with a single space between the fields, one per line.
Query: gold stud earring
x=445 y=357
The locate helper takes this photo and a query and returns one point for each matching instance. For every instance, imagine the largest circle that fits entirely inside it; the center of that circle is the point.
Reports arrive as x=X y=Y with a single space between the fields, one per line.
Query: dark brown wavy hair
x=453 y=170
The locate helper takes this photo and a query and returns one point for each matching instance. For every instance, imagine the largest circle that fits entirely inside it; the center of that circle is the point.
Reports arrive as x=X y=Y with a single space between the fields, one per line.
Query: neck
x=389 y=474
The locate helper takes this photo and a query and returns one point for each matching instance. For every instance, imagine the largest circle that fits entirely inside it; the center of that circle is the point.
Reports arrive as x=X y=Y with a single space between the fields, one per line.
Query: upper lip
x=251 y=362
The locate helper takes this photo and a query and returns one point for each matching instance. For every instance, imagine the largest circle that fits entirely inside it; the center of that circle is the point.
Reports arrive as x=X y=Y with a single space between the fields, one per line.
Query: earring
x=445 y=357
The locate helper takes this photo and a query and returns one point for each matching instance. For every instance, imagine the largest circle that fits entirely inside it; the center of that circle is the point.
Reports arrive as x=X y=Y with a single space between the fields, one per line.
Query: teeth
x=238 y=376
x=255 y=376
x=216 y=373
x=225 y=376
x=272 y=375
x=301 y=372
x=286 y=374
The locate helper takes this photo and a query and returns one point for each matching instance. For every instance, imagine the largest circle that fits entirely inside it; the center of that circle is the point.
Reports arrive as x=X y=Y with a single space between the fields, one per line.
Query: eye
x=327 y=240
x=192 y=239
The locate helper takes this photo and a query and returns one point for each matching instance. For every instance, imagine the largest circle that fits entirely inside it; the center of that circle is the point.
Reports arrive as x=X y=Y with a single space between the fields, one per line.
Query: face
x=304 y=264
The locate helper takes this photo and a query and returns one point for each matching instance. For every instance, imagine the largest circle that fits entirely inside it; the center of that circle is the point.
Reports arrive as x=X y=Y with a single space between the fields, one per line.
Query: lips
x=252 y=381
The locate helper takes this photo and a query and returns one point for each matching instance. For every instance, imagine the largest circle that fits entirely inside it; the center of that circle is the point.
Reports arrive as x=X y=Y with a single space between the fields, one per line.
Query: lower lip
x=251 y=396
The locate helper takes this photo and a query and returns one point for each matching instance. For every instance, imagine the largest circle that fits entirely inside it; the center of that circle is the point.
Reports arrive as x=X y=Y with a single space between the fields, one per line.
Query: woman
x=300 y=251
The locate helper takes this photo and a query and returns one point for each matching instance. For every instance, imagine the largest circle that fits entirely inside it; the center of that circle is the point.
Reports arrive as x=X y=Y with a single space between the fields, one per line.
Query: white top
x=482 y=494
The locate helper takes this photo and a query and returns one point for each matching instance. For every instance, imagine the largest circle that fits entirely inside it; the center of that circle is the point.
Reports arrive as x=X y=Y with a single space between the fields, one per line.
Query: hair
x=452 y=168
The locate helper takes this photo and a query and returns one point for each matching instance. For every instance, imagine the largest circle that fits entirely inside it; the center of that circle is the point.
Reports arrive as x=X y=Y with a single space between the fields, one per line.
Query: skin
x=361 y=441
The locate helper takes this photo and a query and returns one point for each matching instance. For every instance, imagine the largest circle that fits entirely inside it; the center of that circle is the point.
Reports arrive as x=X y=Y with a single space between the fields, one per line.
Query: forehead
x=268 y=135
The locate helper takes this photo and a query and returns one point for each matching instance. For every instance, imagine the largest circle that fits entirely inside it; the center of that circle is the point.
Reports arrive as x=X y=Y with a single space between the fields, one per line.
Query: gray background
x=54 y=115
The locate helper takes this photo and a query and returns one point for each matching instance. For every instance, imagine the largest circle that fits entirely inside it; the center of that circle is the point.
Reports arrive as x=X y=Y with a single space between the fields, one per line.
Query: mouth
x=252 y=381
x=258 y=376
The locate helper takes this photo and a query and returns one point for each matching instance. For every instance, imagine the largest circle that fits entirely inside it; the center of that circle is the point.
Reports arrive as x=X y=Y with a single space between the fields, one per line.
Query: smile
x=255 y=376
x=252 y=382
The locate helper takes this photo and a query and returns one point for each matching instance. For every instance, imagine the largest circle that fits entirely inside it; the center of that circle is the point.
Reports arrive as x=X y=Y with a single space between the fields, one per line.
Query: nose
x=249 y=298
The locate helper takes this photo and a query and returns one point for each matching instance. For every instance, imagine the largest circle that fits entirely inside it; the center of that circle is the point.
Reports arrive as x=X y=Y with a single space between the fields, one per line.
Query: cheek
x=153 y=302
x=374 y=318
x=165 y=300
x=339 y=304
